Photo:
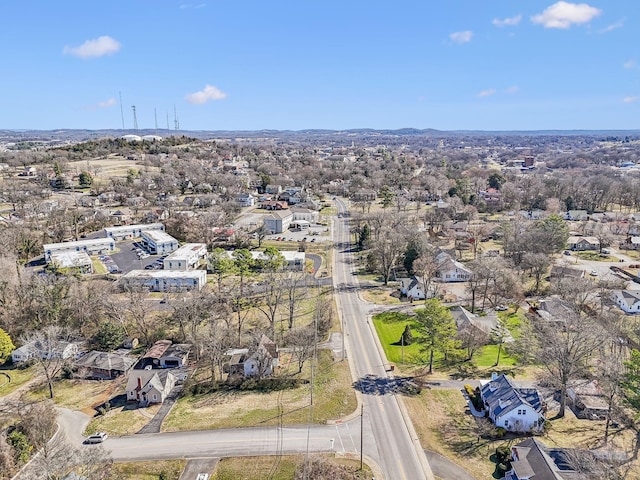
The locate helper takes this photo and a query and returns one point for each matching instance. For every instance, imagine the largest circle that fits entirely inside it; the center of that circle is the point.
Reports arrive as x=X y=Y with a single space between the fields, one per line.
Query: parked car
x=567 y=252
x=593 y=273
x=98 y=437
x=501 y=308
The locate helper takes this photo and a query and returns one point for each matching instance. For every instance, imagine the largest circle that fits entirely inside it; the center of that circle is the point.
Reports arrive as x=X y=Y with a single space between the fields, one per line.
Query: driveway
x=199 y=465
x=155 y=423
x=444 y=468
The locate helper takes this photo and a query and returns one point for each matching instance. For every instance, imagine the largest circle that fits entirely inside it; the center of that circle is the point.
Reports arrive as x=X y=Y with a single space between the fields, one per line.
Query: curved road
x=389 y=439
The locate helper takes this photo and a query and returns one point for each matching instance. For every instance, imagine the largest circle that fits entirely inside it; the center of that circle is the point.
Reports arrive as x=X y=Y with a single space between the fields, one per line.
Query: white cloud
x=613 y=26
x=631 y=99
x=461 y=37
x=513 y=89
x=97 y=47
x=107 y=103
x=630 y=64
x=487 y=93
x=564 y=14
x=205 y=95
x=507 y=22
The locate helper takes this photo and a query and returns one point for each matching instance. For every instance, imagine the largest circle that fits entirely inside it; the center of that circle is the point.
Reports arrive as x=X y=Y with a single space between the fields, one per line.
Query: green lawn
x=390 y=325
x=17 y=377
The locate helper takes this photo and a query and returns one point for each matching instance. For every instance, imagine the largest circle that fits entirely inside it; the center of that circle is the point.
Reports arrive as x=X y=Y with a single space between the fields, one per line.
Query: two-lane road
x=397 y=448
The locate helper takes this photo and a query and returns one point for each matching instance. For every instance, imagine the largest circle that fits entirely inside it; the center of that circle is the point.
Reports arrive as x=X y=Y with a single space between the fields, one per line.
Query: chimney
x=494 y=376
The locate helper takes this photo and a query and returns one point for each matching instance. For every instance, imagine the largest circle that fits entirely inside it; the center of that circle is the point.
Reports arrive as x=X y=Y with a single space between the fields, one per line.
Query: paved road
x=395 y=444
x=388 y=439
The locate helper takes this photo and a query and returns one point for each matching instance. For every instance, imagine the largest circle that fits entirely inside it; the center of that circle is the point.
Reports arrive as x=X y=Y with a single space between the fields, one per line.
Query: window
x=506 y=423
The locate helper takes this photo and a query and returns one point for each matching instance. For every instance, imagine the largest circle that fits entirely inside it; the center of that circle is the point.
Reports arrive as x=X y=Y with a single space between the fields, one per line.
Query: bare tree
x=48 y=349
x=538 y=264
x=566 y=351
x=387 y=251
x=302 y=342
x=296 y=291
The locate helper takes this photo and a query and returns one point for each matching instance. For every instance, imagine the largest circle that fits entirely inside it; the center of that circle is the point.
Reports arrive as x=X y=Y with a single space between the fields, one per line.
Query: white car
x=593 y=273
x=98 y=437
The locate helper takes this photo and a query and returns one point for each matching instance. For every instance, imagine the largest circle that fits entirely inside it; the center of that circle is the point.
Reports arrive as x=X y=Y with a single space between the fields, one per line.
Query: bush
x=470 y=391
x=500 y=432
x=502 y=453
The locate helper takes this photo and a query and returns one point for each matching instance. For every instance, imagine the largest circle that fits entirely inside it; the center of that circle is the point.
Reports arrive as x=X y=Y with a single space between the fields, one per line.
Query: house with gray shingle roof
x=533 y=460
x=513 y=408
x=627 y=300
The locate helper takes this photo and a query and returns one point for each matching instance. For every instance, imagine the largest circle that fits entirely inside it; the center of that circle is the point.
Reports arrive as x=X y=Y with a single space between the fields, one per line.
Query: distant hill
x=75 y=135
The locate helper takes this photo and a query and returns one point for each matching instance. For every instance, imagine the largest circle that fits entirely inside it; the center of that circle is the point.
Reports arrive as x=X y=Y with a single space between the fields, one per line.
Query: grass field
x=380 y=296
x=18 y=377
x=333 y=398
x=171 y=469
x=390 y=326
x=445 y=426
x=274 y=468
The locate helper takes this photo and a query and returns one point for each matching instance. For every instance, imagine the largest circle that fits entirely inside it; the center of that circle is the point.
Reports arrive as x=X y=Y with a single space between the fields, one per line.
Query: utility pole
x=361 y=434
x=155 y=116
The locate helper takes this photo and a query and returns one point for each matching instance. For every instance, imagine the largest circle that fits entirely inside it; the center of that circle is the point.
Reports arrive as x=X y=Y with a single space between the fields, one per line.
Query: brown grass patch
x=150 y=470
x=444 y=425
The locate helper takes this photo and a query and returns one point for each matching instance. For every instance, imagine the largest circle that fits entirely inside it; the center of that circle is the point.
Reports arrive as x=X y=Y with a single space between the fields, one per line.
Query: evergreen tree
x=437 y=329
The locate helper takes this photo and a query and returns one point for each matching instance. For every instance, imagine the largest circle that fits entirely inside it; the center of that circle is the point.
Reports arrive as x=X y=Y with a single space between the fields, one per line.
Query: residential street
x=394 y=443
x=390 y=443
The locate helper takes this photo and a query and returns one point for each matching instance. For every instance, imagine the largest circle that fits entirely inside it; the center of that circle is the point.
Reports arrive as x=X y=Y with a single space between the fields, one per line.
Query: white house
x=131 y=231
x=159 y=242
x=412 y=287
x=512 y=408
x=576 y=215
x=264 y=360
x=96 y=246
x=245 y=200
x=450 y=270
x=627 y=300
x=278 y=221
x=24 y=353
x=165 y=280
x=186 y=257
x=151 y=386
x=60 y=349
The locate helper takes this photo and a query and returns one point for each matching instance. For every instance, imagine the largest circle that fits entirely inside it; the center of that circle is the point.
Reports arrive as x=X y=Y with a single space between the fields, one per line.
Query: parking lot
x=127 y=259
x=316 y=233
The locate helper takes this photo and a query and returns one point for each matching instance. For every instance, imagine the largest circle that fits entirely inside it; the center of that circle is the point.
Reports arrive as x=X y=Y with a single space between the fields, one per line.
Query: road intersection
x=388 y=441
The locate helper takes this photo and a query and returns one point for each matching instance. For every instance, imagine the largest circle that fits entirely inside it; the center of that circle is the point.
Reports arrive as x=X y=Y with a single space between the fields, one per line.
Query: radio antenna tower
x=167 y=120
x=121 y=110
x=155 y=116
x=175 y=118
x=135 y=118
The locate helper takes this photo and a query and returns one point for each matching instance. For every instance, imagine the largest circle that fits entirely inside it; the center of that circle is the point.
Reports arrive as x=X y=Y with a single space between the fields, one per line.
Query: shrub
x=470 y=391
x=502 y=453
x=500 y=432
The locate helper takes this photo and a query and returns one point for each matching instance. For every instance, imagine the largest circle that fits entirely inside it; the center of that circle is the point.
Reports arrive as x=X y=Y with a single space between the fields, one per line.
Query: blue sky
x=256 y=64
